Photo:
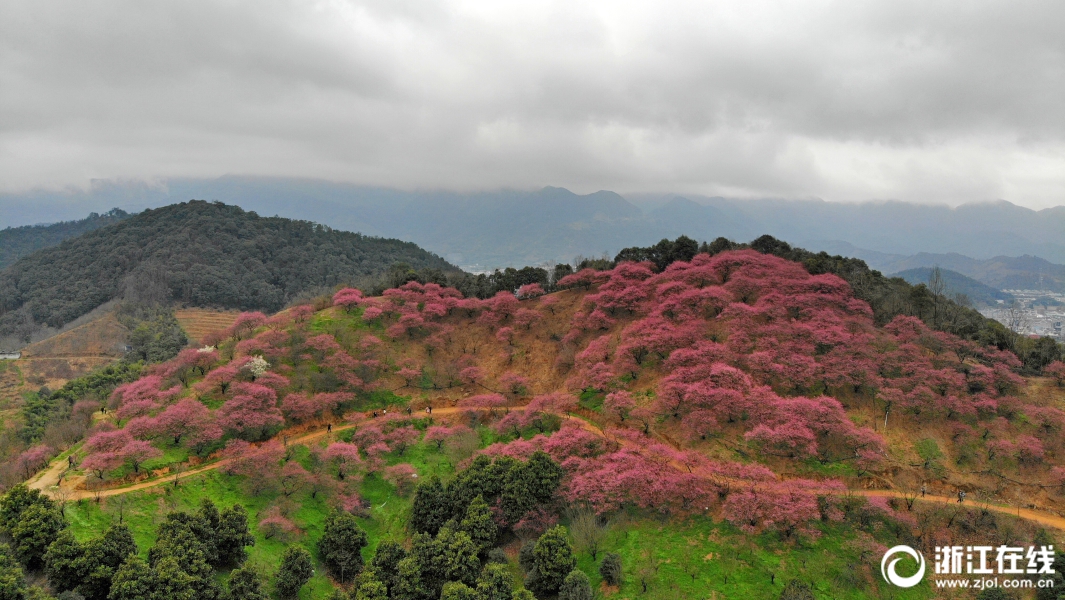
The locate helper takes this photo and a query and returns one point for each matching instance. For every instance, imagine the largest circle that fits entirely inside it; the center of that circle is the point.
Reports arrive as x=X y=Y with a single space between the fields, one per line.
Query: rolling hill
x=733 y=425
x=194 y=253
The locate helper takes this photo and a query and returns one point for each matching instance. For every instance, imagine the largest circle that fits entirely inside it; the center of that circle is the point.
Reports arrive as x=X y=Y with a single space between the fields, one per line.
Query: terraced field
x=200 y=322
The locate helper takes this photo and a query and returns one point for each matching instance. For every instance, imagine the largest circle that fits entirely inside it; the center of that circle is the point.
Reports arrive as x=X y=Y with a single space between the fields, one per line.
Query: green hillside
x=16 y=242
x=195 y=253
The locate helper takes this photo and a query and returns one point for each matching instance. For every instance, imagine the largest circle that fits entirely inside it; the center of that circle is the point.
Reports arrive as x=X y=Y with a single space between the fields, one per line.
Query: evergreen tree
x=183 y=546
x=135 y=580
x=369 y=587
x=17 y=500
x=175 y=523
x=410 y=581
x=12 y=581
x=526 y=485
x=610 y=568
x=232 y=536
x=456 y=590
x=38 y=526
x=458 y=554
x=523 y=594
x=209 y=513
x=385 y=563
x=554 y=560
x=576 y=586
x=431 y=507
x=64 y=562
x=495 y=583
x=294 y=572
x=246 y=584
x=341 y=545
x=527 y=556
x=174 y=583
x=478 y=523
x=102 y=558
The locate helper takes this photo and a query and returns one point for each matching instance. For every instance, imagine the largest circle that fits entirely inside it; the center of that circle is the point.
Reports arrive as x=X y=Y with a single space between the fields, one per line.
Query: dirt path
x=46 y=480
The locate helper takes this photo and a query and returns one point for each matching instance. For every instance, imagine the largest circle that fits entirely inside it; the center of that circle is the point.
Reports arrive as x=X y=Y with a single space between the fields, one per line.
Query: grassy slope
x=726 y=561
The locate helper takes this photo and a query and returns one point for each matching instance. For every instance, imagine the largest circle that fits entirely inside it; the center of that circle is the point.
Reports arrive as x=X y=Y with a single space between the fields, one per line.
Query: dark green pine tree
x=295 y=571
x=553 y=560
x=431 y=507
x=232 y=536
x=456 y=590
x=17 y=500
x=12 y=581
x=135 y=580
x=341 y=545
x=610 y=568
x=102 y=558
x=183 y=546
x=64 y=562
x=495 y=583
x=385 y=563
x=368 y=586
x=478 y=523
x=458 y=555
x=576 y=586
x=246 y=584
x=38 y=526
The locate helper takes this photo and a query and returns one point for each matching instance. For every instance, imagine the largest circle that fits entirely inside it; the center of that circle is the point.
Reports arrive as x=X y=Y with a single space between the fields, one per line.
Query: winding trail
x=47 y=480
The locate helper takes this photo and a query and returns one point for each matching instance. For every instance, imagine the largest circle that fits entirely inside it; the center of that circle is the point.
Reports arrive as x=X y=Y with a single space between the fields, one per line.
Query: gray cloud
x=920 y=101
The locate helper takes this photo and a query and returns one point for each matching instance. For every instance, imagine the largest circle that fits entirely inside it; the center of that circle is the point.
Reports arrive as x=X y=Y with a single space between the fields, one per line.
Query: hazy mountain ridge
x=956 y=283
x=514 y=228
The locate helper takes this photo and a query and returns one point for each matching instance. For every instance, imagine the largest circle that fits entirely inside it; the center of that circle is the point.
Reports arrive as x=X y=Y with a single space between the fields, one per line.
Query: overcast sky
x=920 y=101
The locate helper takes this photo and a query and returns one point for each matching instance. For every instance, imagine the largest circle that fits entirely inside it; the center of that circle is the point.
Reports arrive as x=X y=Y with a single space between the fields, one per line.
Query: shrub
x=610 y=568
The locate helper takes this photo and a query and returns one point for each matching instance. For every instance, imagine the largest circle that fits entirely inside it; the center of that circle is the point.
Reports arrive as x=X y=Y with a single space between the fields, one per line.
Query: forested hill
x=197 y=253
x=16 y=242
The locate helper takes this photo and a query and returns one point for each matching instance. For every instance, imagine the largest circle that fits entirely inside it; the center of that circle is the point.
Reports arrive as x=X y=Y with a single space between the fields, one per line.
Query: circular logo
x=888 y=569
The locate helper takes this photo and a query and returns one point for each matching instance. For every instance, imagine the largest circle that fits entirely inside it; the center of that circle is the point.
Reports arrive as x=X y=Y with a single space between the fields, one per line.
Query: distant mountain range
x=999 y=272
x=955 y=283
x=515 y=228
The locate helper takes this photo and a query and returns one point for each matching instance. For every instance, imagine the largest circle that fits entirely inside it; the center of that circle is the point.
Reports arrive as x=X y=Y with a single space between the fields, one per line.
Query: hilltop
x=751 y=416
x=201 y=254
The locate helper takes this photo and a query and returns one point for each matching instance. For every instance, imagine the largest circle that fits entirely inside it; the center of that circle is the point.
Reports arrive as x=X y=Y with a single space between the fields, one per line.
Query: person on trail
x=961 y=497
x=924 y=488
x=430 y=409
x=329 y=428
x=375 y=414
x=70 y=460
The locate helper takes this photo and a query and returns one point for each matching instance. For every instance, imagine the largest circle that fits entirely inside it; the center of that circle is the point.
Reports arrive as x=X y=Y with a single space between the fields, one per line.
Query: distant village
x=1034 y=312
